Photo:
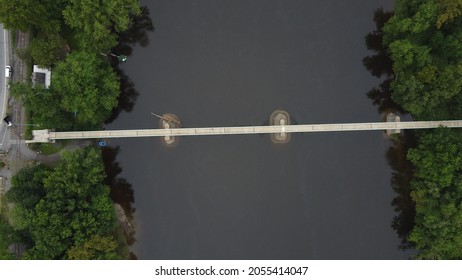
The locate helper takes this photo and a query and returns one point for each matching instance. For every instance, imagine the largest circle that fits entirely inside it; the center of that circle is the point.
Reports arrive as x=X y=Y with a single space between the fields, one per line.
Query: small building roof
x=42 y=76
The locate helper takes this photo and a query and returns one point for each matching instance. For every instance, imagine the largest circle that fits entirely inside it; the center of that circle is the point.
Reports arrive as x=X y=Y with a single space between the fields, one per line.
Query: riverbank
x=424 y=79
x=19 y=155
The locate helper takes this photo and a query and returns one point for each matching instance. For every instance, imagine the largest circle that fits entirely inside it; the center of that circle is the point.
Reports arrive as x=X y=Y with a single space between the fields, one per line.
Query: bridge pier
x=280 y=118
x=393 y=118
x=280 y=128
x=169 y=121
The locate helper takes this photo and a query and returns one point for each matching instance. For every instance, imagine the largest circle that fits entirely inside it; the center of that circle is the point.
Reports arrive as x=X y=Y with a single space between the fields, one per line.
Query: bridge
x=50 y=136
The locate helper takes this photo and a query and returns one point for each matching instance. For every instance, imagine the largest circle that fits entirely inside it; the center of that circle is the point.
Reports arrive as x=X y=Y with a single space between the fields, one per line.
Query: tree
x=87 y=87
x=427 y=57
x=84 y=90
x=448 y=10
x=412 y=19
x=23 y=14
x=6 y=239
x=27 y=187
x=45 y=106
x=424 y=39
x=75 y=207
x=96 y=21
x=96 y=248
x=26 y=191
x=47 y=50
x=437 y=192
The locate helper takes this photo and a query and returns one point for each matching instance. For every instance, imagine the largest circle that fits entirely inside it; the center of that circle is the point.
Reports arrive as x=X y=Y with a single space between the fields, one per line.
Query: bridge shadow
x=122 y=193
x=380 y=65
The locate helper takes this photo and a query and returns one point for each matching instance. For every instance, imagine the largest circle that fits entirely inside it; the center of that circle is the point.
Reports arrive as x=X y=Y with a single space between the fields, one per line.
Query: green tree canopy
x=96 y=21
x=45 y=106
x=84 y=90
x=27 y=187
x=96 y=248
x=424 y=39
x=6 y=239
x=76 y=206
x=46 y=50
x=437 y=192
x=87 y=87
x=26 y=191
x=448 y=10
x=23 y=14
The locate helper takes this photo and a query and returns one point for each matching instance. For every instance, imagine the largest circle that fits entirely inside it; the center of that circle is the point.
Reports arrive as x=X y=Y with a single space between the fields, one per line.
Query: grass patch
x=48 y=148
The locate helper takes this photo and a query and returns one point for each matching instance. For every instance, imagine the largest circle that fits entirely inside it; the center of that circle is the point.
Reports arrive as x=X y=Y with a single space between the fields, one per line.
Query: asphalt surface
x=4 y=60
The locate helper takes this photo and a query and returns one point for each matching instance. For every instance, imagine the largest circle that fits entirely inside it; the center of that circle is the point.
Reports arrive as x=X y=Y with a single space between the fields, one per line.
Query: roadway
x=4 y=60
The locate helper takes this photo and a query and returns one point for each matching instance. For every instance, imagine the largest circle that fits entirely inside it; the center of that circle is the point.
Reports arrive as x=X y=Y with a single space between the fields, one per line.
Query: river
x=232 y=63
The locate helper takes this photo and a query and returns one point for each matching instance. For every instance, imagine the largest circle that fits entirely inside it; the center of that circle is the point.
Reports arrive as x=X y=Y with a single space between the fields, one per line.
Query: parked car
x=8 y=71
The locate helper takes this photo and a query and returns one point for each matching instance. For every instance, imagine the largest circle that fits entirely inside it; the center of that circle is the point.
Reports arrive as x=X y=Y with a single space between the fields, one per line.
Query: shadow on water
x=127 y=97
x=380 y=65
x=136 y=34
x=121 y=192
x=402 y=173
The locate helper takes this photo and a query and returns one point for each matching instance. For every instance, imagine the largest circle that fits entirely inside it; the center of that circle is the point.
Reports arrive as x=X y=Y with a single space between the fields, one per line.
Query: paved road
x=4 y=60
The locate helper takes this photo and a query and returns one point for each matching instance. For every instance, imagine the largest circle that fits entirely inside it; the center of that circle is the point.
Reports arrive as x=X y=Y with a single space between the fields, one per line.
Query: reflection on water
x=127 y=97
x=136 y=34
x=121 y=192
x=401 y=177
x=380 y=65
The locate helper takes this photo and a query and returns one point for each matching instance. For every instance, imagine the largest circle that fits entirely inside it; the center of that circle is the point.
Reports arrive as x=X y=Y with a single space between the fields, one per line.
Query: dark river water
x=232 y=63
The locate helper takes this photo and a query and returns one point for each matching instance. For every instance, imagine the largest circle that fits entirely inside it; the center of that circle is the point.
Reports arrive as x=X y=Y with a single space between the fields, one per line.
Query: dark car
x=8 y=120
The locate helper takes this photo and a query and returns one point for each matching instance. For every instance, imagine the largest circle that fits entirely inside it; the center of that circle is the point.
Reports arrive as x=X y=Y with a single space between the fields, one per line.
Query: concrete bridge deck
x=47 y=135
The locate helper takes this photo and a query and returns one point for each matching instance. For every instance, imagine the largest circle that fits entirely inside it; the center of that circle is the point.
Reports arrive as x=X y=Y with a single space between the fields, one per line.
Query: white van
x=8 y=71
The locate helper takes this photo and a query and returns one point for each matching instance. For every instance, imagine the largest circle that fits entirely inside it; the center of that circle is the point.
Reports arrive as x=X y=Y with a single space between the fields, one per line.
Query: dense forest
x=62 y=212
x=65 y=211
x=424 y=41
x=74 y=38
